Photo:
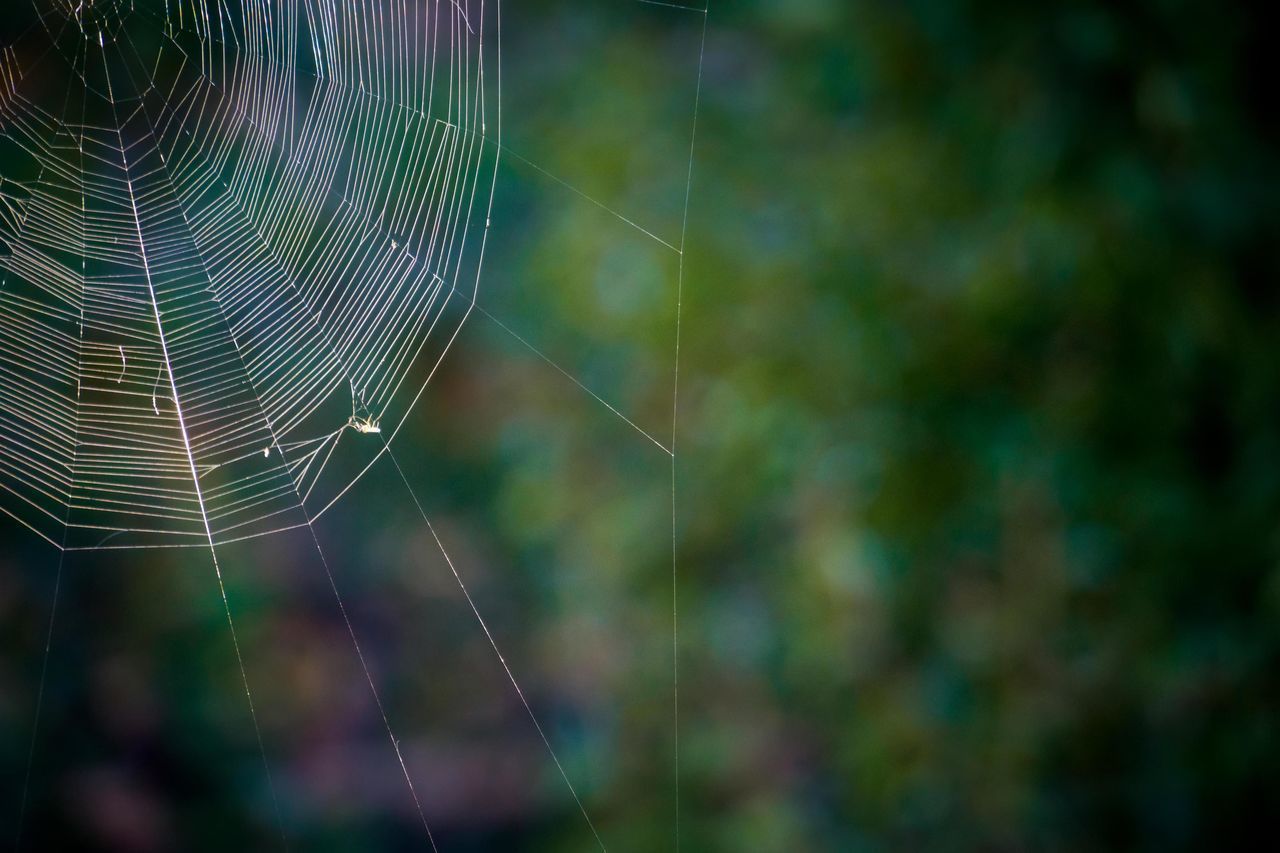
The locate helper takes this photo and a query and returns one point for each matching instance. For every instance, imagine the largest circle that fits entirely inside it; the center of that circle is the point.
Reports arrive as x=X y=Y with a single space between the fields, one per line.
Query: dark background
x=978 y=467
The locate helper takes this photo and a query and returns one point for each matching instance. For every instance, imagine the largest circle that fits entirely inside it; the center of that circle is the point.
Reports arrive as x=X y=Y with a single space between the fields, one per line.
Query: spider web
x=226 y=255
x=237 y=238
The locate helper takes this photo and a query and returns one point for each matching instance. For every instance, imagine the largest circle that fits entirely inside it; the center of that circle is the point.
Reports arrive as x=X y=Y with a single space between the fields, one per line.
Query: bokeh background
x=978 y=474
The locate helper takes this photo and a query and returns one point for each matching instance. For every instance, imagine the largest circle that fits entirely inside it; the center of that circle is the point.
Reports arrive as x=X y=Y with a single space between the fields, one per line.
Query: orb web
x=236 y=239
x=236 y=236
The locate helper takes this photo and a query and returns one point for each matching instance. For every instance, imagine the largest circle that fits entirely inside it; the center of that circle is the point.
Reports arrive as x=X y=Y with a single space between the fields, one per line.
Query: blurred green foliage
x=987 y=414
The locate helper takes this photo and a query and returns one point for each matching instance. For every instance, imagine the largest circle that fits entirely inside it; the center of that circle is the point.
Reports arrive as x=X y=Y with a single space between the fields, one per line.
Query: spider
x=364 y=425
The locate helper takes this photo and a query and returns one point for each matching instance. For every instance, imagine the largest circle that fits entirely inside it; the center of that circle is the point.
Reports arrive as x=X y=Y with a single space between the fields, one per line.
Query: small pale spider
x=364 y=425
